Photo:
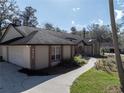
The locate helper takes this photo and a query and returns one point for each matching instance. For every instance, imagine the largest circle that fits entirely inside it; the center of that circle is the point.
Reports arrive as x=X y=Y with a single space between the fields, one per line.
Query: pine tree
x=28 y=17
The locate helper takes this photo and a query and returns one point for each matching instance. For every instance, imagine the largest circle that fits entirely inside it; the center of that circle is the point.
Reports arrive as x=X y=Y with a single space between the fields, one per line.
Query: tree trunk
x=116 y=46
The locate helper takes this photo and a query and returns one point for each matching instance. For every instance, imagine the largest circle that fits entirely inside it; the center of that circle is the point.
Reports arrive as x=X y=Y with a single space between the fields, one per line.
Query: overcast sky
x=67 y=13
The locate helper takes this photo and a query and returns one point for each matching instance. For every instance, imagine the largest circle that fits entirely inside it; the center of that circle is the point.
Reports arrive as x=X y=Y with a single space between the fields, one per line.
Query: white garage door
x=19 y=55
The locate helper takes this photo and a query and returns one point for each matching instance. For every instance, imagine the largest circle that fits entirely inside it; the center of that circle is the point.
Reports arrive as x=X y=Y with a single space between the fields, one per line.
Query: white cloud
x=78 y=8
x=119 y=14
x=120 y=3
x=99 y=21
x=79 y=27
x=61 y=1
x=75 y=9
x=73 y=22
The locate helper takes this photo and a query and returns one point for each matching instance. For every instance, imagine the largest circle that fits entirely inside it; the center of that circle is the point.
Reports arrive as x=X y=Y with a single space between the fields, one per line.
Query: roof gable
x=10 y=34
x=25 y=30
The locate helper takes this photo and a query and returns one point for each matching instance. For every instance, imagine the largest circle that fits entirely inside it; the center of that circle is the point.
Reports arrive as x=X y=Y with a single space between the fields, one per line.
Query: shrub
x=108 y=65
x=79 y=60
x=75 y=61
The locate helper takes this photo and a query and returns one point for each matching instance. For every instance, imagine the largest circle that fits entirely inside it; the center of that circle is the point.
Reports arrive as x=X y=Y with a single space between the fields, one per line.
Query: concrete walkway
x=62 y=83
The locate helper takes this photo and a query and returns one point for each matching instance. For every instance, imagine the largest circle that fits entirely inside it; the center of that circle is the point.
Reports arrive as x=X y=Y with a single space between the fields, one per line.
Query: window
x=58 y=53
x=55 y=53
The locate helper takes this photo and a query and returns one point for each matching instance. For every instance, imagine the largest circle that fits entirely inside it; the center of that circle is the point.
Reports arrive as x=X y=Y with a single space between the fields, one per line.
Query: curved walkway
x=62 y=83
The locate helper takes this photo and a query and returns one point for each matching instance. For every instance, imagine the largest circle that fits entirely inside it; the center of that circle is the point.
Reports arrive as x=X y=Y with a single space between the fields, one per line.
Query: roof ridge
x=28 y=38
x=31 y=35
x=19 y=31
x=10 y=25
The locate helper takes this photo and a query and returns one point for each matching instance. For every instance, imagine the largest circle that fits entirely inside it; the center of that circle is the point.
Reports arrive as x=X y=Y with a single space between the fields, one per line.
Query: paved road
x=62 y=83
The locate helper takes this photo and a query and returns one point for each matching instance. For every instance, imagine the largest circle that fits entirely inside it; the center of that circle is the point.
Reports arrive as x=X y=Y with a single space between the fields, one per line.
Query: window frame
x=55 y=54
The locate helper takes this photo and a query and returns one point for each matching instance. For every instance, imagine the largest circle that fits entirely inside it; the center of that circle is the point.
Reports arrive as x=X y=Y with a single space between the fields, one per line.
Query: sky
x=68 y=13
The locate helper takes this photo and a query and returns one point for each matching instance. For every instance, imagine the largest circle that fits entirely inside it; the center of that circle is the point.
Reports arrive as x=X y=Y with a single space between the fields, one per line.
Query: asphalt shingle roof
x=41 y=36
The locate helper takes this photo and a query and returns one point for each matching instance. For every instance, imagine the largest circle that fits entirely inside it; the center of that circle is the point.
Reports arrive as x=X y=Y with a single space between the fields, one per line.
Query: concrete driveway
x=11 y=81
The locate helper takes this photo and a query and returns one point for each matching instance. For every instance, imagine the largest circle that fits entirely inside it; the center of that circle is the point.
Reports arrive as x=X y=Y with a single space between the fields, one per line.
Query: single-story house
x=36 y=48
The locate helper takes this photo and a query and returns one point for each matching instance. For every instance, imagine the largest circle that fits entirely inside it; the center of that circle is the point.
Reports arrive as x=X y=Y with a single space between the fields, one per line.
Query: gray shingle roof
x=41 y=36
x=25 y=30
x=66 y=36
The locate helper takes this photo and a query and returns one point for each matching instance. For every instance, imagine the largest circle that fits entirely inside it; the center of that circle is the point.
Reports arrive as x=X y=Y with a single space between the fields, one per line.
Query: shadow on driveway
x=12 y=81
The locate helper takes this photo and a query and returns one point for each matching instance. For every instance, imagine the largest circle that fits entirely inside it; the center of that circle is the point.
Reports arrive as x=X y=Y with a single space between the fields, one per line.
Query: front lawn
x=95 y=81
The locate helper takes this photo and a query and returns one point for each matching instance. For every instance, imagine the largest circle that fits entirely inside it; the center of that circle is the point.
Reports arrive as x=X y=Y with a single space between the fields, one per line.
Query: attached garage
x=19 y=55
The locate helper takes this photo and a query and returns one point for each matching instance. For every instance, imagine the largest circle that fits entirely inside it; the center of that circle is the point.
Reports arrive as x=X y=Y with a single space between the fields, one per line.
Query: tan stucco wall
x=4 y=52
x=11 y=34
x=66 y=52
x=41 y=57
x=19 y=55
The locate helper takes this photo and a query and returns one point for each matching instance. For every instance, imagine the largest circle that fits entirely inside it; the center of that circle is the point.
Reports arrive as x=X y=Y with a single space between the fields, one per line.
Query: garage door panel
x=19 y=55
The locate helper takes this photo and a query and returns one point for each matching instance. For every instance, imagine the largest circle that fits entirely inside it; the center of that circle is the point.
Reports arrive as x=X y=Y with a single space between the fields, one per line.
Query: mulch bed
x=56 y=70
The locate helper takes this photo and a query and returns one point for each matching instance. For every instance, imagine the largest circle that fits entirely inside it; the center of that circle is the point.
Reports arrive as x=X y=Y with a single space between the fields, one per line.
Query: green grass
x=94 y=81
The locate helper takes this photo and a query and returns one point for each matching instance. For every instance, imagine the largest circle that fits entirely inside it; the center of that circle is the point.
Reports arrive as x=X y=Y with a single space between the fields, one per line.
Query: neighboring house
x=36 y=48
x=110 y=48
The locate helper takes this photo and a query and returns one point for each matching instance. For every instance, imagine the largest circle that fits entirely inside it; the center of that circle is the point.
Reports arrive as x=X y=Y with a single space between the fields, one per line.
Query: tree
x=122 y=21
x=100 y=32
x=57 y=29
x=116 y=46
x=121 y=39
x=16 y=21
x=83 y=33
x=28 y=17
x=8 y=9
x=49 y=26
x=73 y=30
